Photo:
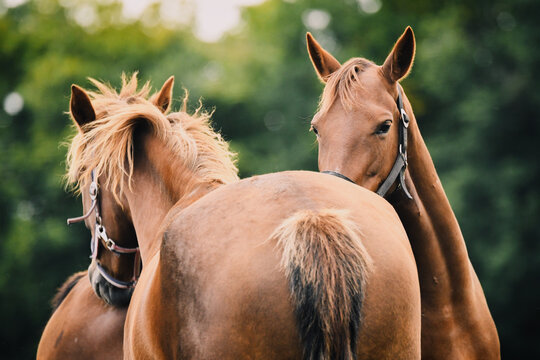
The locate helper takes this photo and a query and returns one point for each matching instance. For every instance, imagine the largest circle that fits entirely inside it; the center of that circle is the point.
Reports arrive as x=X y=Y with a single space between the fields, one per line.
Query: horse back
x=225 y=273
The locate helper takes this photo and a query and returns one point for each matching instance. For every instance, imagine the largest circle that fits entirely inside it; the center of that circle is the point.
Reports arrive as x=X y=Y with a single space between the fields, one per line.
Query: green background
x=474 y=89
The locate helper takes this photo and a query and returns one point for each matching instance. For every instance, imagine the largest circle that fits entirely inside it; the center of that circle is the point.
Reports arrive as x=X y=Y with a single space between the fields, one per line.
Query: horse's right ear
x=80 y=107
x=162 y=99
x=325 y=64
x=399 y=62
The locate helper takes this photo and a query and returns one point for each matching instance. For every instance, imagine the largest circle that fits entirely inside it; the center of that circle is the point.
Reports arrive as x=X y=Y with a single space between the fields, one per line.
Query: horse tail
x=326 y=265
x=64 y=290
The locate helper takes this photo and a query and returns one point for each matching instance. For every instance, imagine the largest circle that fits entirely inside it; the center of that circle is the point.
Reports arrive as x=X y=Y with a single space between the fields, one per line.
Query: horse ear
x=81 y=107
x=325 y=64
x=399 y=62
x=162 y=99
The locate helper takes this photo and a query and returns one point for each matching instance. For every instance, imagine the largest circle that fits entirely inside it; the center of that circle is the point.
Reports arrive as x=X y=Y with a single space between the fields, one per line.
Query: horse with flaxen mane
x=89 y=309
x=289 y=265
x=366 y=129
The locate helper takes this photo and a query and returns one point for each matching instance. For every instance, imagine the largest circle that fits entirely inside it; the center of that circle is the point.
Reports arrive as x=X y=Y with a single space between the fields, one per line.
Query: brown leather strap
x=398 y=170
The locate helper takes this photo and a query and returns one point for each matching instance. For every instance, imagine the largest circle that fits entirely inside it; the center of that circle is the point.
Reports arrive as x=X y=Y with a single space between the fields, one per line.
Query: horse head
x=116 y=261
x=361 y=125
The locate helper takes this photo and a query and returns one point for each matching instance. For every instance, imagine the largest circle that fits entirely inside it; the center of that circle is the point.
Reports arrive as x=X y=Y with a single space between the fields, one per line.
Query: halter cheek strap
x=398 y=169
x=100 y=235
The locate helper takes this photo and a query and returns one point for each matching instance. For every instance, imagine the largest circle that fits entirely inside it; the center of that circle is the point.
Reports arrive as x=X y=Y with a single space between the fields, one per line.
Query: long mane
x=343 y=83
x=106 y=146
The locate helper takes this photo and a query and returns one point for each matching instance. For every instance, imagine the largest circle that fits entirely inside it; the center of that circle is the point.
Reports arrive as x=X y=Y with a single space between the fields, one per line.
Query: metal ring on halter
x=404 y=118
x=93 y=190
x=102 y=234
x=110 y=244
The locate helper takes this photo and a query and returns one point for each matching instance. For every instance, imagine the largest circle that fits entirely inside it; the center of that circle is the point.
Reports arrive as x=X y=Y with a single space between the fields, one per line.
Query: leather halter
x=335 y=173
x=100 y=235
x=400 y=164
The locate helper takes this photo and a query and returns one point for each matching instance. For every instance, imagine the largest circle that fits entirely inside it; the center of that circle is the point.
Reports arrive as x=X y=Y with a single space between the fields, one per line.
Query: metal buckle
x=101 y=233
x=110 y=244
x=93 y=190
x=405 y=162
x=402 y=153
x=404 y=117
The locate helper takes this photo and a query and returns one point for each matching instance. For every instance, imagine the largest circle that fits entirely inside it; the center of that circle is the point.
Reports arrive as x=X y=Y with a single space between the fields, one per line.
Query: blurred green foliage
x=473 y=88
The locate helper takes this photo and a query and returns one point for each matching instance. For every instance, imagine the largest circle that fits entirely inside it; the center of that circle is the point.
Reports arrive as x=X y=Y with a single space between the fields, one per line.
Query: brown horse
x=83 y=325
x=286 y=265
x=366 y=128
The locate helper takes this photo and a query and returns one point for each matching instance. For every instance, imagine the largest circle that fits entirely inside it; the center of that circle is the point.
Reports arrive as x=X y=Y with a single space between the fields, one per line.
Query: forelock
x=343 y=84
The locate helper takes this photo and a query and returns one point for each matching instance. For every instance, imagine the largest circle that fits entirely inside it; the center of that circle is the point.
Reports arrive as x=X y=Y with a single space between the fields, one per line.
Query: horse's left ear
x=80 y=107
x=322 y=60
x=399 y=62
x=162 y=99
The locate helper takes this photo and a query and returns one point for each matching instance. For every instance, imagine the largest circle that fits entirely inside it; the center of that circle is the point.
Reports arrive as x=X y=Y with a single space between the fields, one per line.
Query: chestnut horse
x=289 y=265
x=82 y=326
x=365 y=127
x=90 y=307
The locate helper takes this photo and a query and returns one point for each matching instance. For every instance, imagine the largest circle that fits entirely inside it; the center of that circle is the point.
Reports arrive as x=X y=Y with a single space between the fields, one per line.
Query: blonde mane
x=343 y=83
x=106 y=146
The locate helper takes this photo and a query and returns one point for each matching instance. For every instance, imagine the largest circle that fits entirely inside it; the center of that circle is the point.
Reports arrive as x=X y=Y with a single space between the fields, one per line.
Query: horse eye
x=314 y=129
x=383 y=128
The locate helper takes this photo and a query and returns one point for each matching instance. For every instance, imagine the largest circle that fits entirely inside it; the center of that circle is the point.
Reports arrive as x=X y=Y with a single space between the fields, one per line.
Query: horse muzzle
x=112 y=295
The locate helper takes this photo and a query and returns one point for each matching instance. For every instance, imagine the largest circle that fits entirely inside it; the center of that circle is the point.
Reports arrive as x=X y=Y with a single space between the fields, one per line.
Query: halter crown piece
x=398 y=170
x=100 y=235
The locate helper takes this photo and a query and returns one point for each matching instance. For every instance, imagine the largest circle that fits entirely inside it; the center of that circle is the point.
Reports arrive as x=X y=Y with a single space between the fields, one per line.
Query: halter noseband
x=398 y=170
x=100 y=234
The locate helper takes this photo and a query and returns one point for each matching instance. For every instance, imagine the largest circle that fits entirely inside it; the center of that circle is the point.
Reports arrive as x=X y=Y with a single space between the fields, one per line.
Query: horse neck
x=160 y=181
x=433 y=230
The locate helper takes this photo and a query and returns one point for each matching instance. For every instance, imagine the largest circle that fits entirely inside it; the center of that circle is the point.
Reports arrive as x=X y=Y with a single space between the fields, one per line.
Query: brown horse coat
x=83 y=327
x=220 y=287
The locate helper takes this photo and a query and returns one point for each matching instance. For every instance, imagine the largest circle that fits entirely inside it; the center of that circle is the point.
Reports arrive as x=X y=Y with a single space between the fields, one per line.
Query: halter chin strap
x=100 y=235
x=398 y=170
